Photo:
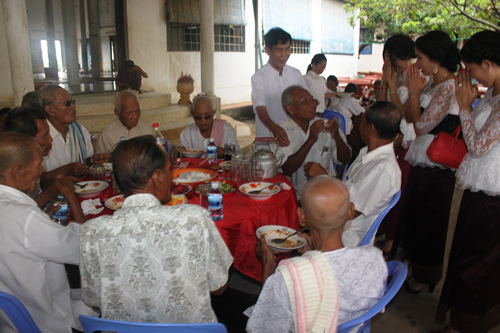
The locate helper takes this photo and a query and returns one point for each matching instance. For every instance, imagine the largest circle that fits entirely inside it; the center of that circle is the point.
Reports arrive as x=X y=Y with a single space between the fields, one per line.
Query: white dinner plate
x=277 y=231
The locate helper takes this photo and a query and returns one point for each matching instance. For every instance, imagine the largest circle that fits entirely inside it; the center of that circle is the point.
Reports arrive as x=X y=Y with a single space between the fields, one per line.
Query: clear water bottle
x=212 y=151
x=215 y=207
x=61 y=216
x=160 y=140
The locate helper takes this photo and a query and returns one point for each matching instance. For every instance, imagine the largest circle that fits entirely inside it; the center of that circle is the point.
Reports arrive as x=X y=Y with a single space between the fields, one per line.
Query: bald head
x=325 y=201
x=15 y=149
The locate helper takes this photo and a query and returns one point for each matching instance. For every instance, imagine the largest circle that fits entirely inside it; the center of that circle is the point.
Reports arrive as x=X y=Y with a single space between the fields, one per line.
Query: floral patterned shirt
x=152 y=263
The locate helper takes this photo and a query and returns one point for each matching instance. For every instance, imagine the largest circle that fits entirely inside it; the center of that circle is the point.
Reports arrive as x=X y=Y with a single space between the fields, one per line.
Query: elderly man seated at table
x=375 y=176
x=149 y=262
x=311 y=140
x=356 y=275
x=33 y=249
x=197 y=136
x=72 y=147
x=127 y=125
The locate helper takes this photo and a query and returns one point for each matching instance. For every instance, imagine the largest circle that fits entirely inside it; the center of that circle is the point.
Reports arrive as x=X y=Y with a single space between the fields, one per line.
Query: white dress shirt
x=361 y=276
x=317 y=88
x=33 y=250
x=267 y=87
x=60 y=154
x=372 y=180
x=111 y=135
x=192 y=138
x=324 y=151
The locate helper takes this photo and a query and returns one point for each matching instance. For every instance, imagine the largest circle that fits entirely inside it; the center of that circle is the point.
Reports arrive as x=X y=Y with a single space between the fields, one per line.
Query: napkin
x=89 y=207
x=285 y=186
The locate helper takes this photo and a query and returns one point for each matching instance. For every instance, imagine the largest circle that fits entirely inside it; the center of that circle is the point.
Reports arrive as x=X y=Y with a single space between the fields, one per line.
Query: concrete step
x=102 y=104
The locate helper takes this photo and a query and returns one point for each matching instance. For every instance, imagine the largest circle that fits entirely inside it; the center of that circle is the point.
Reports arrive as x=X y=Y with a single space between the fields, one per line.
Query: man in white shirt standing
x=128 y=124
x=374 y=177
x=33 y=248
x=311 y=140
x=72 y=146
x=269 y=82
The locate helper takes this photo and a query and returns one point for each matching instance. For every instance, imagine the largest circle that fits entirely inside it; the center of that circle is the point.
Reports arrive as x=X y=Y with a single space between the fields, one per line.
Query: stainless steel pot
x=268 y=162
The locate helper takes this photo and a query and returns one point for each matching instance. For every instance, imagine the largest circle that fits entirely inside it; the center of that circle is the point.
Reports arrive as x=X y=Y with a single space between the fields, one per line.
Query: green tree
x=459 y=18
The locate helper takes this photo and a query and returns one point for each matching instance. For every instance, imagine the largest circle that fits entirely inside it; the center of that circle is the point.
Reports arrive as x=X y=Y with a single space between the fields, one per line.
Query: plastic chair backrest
x=92 y=324
x=17 y=313
x=373 y=229
x=339 y=117
x=397 y=270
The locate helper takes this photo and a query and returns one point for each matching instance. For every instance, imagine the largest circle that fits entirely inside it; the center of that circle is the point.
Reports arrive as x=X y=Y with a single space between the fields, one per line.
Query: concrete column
x=95 y=43
x=52 y=71
x=83 y=33
x=69 y=26
x=16 y=29
x=207 y=46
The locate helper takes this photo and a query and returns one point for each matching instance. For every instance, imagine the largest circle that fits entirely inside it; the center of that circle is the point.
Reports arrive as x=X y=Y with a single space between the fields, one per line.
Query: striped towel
x=312 y=287
x=218 y=131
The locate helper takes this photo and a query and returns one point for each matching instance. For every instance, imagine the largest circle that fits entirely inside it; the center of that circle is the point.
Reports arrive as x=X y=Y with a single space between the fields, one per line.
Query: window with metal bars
x=186 y=37
x=297 y=46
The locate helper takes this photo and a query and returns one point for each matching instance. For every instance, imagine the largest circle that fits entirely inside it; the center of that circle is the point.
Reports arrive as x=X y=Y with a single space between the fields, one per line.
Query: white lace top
x=480 y=169
x=407 y=129
x=438 y=102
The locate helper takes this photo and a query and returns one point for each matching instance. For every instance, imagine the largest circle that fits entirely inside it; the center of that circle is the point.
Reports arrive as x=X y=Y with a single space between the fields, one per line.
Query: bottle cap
x=215 y=184
x=155 y=125
x=211 y=139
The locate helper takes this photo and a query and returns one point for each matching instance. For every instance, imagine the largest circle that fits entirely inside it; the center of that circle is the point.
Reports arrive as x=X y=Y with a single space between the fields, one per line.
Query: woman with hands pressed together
x=427 y=200
x=471 y=289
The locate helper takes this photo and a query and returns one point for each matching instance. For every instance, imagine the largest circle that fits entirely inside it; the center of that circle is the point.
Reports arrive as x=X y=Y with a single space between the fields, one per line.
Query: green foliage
x=459 y=18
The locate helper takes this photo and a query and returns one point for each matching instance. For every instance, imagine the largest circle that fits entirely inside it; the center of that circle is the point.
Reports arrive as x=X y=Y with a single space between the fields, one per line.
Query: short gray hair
x=122 y=94
x=47 y=94
x=287 y=96
x=201 y=99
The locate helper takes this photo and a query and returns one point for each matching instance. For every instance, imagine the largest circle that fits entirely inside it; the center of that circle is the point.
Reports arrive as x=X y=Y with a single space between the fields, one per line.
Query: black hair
x=378 y=81
x=333 y=78
x=437 y=46
x=351 y=88
x=23 y=120
x=129 y=64
x=484 y=45
x=135 y=161
x=31 y=98
x=399 y=47
x=386 y=118
x=316 y=60
x=276 y=36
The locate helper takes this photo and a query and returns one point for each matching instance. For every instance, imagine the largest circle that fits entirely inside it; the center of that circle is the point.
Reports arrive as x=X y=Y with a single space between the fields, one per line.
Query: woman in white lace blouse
x=427 y=199
x=472 y=289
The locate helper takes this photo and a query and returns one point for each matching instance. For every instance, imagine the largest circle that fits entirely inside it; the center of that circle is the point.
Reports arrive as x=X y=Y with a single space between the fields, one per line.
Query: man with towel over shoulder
x=353 y=279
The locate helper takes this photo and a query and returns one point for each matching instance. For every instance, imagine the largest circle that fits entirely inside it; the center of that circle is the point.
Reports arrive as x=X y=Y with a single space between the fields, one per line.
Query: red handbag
x=447 y=149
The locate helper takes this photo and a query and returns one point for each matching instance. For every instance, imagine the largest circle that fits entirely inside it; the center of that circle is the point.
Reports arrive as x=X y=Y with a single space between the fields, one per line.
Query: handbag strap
x=456 y=133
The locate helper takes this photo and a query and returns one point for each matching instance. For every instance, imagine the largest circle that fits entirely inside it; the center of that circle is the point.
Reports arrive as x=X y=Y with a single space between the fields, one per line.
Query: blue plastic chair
x=373 y=229
x=92 y=324
x=398 y=271
x=339 y=117
x=17 y=313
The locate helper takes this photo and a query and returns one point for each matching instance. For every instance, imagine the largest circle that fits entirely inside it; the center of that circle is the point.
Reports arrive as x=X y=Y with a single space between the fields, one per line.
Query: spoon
x=279 y=241
x=82 y=186
x=262 y=189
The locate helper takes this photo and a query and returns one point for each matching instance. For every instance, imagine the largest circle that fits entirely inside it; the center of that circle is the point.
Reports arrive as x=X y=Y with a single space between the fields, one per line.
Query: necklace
x=442 y=77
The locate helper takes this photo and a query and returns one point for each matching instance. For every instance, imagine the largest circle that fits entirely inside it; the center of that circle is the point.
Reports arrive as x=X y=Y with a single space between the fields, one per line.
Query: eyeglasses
x=67 y=103
x=206 y=117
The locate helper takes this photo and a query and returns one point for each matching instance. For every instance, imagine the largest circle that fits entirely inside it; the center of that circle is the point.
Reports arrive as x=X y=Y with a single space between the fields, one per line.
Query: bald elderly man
x=360 y=272
x=33 y=248
x=128 y=124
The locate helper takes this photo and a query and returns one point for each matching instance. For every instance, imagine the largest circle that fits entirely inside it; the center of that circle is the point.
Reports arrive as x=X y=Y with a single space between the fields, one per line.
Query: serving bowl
x=193 y=153
x=255 y=186
x=278 y=232
x=177 y=173
x=92 y=189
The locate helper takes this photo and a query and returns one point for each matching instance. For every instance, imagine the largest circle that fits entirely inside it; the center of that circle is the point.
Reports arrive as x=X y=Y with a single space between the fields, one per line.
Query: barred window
x=186 y=37
x=300 y=46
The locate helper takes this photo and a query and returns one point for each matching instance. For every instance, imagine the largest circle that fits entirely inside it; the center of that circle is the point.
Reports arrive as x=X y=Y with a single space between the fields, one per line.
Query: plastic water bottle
x=215 y=207
x=160 y=140
x=212 y=151
x=61 y=216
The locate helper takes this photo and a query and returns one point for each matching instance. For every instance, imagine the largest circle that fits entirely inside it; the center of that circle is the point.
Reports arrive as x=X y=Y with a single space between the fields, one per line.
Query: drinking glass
x=98 y=172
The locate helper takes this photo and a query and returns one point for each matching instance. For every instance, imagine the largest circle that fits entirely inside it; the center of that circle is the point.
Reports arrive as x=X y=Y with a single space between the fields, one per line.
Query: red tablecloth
x=242 y=217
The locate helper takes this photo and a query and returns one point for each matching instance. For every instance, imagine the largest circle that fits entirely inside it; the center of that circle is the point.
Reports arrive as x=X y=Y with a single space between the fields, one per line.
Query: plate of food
x=268 y=190
x=227 y=188
x=177 y=200
x=180 y=189
x=115 y=203
x=90 y=188
x=279 y=232
x=225 y=164
x=192 y=153
x=192 y=176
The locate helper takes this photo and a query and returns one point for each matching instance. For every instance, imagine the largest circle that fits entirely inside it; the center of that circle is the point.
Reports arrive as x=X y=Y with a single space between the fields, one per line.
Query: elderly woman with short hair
x=197 y=136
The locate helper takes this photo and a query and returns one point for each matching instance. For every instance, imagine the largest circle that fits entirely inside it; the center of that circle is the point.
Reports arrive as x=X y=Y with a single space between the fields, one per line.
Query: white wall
x=6 y=92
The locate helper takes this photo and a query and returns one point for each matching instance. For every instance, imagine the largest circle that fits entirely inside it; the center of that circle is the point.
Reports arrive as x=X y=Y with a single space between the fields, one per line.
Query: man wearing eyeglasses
x=72 y=146
x=128 y=125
